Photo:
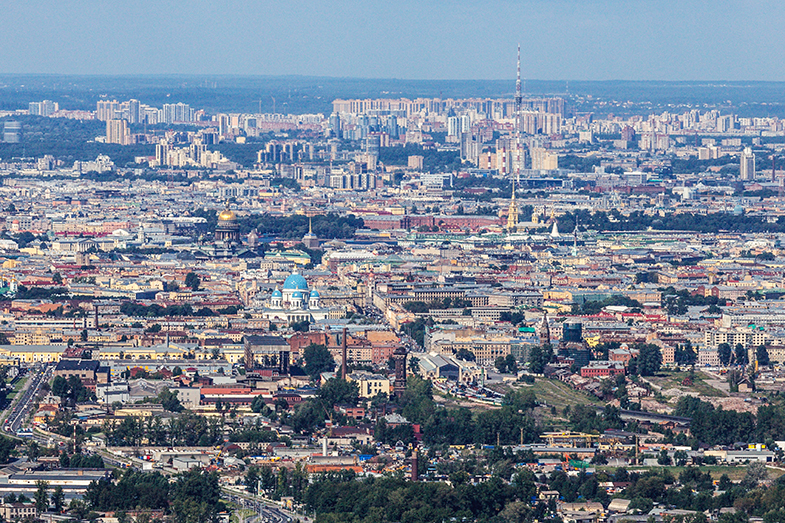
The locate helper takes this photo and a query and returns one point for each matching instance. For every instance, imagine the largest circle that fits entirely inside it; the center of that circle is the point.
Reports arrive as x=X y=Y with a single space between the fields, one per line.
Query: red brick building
x=596 y=369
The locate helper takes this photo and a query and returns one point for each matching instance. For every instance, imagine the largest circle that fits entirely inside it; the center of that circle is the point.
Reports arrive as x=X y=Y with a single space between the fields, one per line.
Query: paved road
x=265 y=513
x=9 y=402
x=21 y=409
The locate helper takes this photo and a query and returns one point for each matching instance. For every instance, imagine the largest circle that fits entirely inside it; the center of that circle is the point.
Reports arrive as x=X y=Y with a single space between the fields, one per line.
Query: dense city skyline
x=246 y=277
x=601 y=40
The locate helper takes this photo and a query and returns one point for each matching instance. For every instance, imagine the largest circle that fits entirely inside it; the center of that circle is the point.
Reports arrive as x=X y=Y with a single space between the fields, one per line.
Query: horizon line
x=387 y=79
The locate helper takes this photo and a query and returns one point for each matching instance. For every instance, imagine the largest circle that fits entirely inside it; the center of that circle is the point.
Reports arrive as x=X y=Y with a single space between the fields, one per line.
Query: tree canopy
x=318 y=359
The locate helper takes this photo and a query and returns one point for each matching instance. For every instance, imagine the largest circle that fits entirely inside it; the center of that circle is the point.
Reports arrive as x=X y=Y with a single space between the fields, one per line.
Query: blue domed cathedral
x=295 y=302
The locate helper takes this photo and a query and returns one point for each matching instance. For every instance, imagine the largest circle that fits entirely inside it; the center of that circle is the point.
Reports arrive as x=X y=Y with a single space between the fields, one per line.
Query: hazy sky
x=413 y=39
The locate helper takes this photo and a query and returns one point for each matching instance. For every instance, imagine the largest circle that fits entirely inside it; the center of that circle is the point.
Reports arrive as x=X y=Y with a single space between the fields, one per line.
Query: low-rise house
x=18 y=511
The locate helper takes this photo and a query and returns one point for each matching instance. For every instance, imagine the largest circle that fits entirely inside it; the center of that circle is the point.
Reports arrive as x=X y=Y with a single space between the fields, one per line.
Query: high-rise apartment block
x=43 y=108
x=747 y=166
x=117 y=132
x=134 y=113
x=453 y=126
x=106 y=109
x=12 y=132
x=178 y=112
x=544 y=159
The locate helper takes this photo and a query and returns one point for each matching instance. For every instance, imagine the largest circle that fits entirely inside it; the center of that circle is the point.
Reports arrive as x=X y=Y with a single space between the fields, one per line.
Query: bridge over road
x=651 y=417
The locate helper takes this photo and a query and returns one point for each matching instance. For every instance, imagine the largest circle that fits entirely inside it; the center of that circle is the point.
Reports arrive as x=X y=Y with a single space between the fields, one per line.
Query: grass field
x=20 y=383
x=558 y=394
x=673 y=380
x=550 y=392
x=17 y=387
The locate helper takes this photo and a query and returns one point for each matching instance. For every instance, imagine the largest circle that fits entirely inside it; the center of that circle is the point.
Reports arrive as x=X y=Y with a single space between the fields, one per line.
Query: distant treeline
x=68 y=140
x=715 y=426
x=638 y=221
x=433 y=160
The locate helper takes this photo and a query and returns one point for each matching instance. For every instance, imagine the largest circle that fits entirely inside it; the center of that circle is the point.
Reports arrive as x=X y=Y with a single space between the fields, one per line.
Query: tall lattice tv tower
x=518 y=94
x=512 y=213
x=518 y=105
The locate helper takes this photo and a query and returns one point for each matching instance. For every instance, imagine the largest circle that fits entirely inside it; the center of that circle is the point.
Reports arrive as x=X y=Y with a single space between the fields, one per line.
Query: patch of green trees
x=159 y=311
x=328 y=226
x=193 y=497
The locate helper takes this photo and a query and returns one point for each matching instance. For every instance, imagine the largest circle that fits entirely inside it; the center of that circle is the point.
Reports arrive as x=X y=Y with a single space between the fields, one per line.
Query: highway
x=24 y=402
x=19 y=411
x=265 y=513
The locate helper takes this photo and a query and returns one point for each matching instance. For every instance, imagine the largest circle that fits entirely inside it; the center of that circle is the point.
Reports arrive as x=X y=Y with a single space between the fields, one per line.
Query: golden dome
x=227 y=215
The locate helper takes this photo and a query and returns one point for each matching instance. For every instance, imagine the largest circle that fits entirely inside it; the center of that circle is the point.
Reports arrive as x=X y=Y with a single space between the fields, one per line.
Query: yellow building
x=157 y=352
x=33 y=337
x=292 y=255
x=370 y=384
x=32 y=353
x=139 y=411
x=172 y=351
x=232 y=355
x=44 y=414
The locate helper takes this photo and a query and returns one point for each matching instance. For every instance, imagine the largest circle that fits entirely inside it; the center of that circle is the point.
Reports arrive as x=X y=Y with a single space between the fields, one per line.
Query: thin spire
x=310 y=225
x=512 y=213
x=575 y=239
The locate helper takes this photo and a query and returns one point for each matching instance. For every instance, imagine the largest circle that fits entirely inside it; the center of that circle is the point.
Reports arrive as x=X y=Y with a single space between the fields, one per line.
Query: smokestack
x=324 y=446
x=415 y=473
x=95 y=310
x=343 y=355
